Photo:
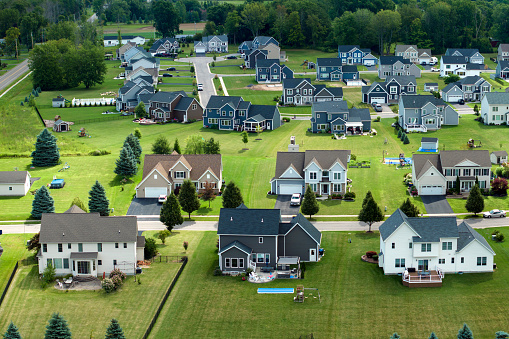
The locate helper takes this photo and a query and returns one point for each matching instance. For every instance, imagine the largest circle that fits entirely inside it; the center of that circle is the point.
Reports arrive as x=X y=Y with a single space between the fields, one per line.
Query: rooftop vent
x=231 y=218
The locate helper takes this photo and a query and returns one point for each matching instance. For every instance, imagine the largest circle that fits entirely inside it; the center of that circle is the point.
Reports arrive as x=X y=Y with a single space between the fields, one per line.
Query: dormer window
x=179 y=175
x=325 y=174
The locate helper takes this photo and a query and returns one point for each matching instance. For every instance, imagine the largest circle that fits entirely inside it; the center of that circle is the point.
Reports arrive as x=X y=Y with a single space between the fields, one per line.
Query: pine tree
x=395 y=335
x=170 y=214
x=309 y=204
x=188 y=198
x=475 y=201
x=232 y=197
x=366 y=198
x=405 y=140
x=501 y=335
x=12 y=332
x=114 y=331
x=176 y=146
x=77 y=201
x=161 y=145
x=134 y=142
x=371 y=213
x=57 y=328
x=399 y=133
x=43 y=203
x=433 y=336
x=458 y=188
x=465 y=333
x=126 y=163
x=46 y=151
x=409 y=209
x=97 y=201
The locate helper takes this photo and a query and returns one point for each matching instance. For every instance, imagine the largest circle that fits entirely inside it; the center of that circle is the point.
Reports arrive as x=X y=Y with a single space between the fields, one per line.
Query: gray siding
x=268 y=246
x=288 y=182
x=234 y=252
x=298 y=243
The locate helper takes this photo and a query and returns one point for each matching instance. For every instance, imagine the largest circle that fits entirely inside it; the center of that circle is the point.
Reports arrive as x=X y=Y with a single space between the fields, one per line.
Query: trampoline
x=275 y=291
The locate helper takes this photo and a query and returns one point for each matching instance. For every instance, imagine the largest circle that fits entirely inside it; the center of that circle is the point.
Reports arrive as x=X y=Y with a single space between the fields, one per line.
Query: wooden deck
x=418 y=279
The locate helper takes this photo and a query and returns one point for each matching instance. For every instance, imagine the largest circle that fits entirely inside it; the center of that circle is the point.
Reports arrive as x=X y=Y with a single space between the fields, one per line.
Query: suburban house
x=414 y=54
x=233 y=113
x=471 y=88
x=14 y=183
x=112 y=40
x=300 y=92
x=354 y=55
x=168 y=106
x=396 y=65
x=495 y=108
x=331 y=69
x=270 y=71
x=503 y=52
x=211 y=43
x=128 y=95
x=135 y=53
x=389 y=91
x=502 y=70
x=336 y=117
x=325 y=171
x=459 y=66
x=498 y=157
x=262 y=47
x=165 y=46
x=144 y=62
x=432 y=244
x=469 y=55
x=163 y=173
x=86 y=244
x=431 y=87
x=124 y=48
x=256 y=238
x=145 y=73
x=434 y=174
x=425 y=112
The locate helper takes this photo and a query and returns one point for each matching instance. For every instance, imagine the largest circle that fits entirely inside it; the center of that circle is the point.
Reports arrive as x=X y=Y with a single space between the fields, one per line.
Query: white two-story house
x=495 y=108
x=324 y=171
x=87 y=244
x=432 y=244
x=434 y=174
x=460 y=66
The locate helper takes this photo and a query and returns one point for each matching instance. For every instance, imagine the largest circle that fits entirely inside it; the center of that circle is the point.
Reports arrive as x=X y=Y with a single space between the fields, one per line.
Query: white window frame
x=313 y=175
x=180 y=175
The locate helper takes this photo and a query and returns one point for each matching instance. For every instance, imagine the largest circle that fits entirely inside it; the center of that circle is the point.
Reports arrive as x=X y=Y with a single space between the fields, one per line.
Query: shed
x=498 y=157
x=57 y=183
x=58 y=102
x=61 y=126
x=14 y=183
x=429 y=145
x=431 y=86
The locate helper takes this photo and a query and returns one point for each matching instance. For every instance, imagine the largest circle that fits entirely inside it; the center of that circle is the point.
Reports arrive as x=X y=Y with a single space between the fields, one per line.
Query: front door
x=325 y=189
x=83 y=267
x=422 y=265
x=312 y=254
x=297 y=100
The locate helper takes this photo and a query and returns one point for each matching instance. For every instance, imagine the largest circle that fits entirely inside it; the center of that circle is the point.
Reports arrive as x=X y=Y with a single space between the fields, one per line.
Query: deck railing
x=415 y=128
x=424 y=278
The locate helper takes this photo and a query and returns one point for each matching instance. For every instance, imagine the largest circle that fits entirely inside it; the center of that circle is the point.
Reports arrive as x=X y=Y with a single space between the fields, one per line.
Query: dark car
x=171 y=69
x=167 y=75
x=231 y=57
x=461 y=101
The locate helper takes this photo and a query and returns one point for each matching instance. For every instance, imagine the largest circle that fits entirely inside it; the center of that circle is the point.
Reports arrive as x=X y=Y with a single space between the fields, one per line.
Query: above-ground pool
x=275 y=290
x=432 y=150
x=395 y=161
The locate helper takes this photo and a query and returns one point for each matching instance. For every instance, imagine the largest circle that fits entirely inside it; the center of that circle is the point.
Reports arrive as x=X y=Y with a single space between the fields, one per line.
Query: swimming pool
x=395 y=161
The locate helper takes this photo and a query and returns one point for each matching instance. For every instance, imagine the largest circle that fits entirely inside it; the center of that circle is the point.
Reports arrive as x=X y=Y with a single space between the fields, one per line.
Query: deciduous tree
x=166 y=20
x=208 y=193
x=188 y=198
x=161 y=145
x=309 y=204
x=499 y=186
x=42 y=203
x=254 y=16
x=370 y=213
x=194 y=144
x=451 y=78
x=211 y=147
x=34 y=244
x=77 y=201
x=244 y=137
x=170 y=214
x=93 y=65
x=162 y=235
x=139 y=110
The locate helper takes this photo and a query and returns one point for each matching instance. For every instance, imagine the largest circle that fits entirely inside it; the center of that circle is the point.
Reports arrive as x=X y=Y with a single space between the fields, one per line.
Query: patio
x=77 y=283
x=286 y=268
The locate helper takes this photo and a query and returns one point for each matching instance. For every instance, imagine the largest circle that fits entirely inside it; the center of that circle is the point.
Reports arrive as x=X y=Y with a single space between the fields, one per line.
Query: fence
x=167 y=294
x=8 y=283
x=169 y=258
x=40 y=116
x=119 y=117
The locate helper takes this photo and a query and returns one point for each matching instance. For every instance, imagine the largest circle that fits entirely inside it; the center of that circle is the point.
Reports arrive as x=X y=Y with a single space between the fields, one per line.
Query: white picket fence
x=93 y=102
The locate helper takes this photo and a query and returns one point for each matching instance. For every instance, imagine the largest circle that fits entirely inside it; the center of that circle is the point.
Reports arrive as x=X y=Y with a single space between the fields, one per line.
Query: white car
x=295 y=200
x=494 y=214
x=200 y=87
x=161 y=199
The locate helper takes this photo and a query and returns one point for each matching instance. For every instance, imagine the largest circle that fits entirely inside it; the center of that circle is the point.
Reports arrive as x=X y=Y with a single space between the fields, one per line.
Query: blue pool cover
x=274 y=290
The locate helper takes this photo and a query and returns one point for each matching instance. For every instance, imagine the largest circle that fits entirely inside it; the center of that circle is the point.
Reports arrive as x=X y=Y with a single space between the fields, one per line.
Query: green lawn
x=14 y=250
x=357 y=300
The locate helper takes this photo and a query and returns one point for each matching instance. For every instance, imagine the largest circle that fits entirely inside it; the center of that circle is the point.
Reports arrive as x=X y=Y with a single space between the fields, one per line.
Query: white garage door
x=378 y=100
x=155 y=192
x=369 y=62
x=432 y=190
x=454 y=98
x=200 y=50
x=290 y=189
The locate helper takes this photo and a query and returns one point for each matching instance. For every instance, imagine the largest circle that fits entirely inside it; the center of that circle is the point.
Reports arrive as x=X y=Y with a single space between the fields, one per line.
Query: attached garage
x=454 y=98
x=378 y=100
x=432 y=190
x=289 y=189
x=155 y=192
x=199 y=50
x=369 y=62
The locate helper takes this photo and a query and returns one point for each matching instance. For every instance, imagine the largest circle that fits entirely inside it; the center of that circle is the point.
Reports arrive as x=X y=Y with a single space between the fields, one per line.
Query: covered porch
x=251 y=124
x=422 y=278
x=84 y=263
x=286 y=268
x=354 y=127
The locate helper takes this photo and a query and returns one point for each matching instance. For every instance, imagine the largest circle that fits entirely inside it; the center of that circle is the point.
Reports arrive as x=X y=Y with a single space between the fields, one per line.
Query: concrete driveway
x=436 y=204
x=465 y=109
x=145 y=206
x=283 y=203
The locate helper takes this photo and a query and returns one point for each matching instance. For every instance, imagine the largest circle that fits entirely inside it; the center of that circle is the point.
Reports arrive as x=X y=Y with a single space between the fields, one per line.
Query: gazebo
x=285 y=270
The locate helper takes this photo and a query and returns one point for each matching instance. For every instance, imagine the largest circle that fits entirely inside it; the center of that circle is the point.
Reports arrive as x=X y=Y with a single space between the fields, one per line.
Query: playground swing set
x=306 y=293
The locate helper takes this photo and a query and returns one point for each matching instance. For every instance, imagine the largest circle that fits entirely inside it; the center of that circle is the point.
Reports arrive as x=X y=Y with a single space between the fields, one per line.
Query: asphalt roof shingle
x=13 y=177
x=200 y=163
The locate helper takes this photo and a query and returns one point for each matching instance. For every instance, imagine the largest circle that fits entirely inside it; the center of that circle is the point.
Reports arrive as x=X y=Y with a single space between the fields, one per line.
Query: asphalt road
x=10 y=76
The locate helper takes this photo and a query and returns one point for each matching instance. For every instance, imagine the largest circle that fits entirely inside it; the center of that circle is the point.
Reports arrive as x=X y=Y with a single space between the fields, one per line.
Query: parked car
x=461 y=101
x=161 y=199
x=295 y=200
x=377 y=107
x=167 y=75
x=171 y=69
x=494 y=214
x=231 y=57
x=424 y=63
x=433 y=69
x=200 y=87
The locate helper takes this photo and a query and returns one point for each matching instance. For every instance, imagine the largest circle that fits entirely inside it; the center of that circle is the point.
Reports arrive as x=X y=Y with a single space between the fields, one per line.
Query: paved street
x=10 y=76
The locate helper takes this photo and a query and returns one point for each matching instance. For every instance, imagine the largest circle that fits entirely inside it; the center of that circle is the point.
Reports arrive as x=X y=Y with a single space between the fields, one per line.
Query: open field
x=203 y=305
x=14 y=250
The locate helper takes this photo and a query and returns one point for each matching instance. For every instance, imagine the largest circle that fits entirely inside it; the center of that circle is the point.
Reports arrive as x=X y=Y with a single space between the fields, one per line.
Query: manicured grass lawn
x=425 y=77
x=14 y=250
x=357 y=300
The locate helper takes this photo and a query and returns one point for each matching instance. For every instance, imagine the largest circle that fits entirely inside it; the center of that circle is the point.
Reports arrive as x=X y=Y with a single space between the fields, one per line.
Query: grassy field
x=357 y=300
x=14 y=250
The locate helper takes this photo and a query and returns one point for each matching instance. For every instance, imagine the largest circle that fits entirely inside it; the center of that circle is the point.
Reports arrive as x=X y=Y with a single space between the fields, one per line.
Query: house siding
x=269 y=245
x=234 y=253
x=298 y=243
x=151 y=182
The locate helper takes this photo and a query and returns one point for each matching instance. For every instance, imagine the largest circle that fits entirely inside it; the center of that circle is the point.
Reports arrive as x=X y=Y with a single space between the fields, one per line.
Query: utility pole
x=16 y=48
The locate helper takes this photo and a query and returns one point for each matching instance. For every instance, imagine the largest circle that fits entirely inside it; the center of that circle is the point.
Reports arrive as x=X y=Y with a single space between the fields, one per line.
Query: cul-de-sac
x=254 y=169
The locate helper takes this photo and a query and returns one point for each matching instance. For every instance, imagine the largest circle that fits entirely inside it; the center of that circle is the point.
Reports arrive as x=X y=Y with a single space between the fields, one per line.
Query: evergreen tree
x=433 y=336
x=211 y=147
x=465 y=333
x=43 y=203
x=366 y=198
x=309 y=204
x=501 y=335
x=46 y=151
x=57 y=328
x=176 y=146
x=399 y=133
x=170 y=214
x=458 y=186
x=126 y=163
x=97 y=201
x=161 y=145
x=188 y=198
x=134 y=142
x=232 y=197
x=77 y=201
x=12 y=332
x=409 y=209
x=371 y=213
x=137 y=133
x=405 y=140
x=476 y=181
x=395 y=335
x=244 y=137
x=114 y=331
x=475 y=201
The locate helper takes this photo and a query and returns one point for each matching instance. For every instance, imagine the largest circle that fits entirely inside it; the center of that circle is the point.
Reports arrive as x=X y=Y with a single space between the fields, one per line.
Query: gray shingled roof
x=167 y=97
x=75 y=209
x=431 y=84
x=287 y=159
x=392 y=223
x=403 y=80
x=87 y=227
x=504 y=64
x=13 y=177
x=160 y=42
x=470 y=80
x=422 y=162
x=347 y=48
x=263 y=40
x=237 y=244
x=294 y=82
x=433 y=228
x=463 y=51
x=392 y=59
x=349 y=69
x=326 y=158
x=58 y=99
x=418 y=101
x=500 y=153
x=504 y=47
x=84 y=255
x=218 y=101
x=198 y=162
x=361 y=113
x=426 y=139
x=184 y=103
x=266 y=62
x=403 y=48
x=307 y=226
x=446 y=59
x=140 y=241
x=266 y=111
x=472 y=66
x=324 y=62
x=249 y=221
x=330 y=106
x=336 y=91
x=467 y=234
x=452 y=158
x=497 y=98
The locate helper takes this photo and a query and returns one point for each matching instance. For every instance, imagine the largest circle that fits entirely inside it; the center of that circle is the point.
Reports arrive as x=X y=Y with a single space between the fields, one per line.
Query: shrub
x=220 y=88
x=286 y=119
x=217 y=272
x=108 y=285
x=117 y=281
x=370 y=254
x=375 y=257
x=353 y=157
x=215 y=77
x=349 y=196
x=378 y=119
x=405 y=140
x=499 y=237
x=119 y=273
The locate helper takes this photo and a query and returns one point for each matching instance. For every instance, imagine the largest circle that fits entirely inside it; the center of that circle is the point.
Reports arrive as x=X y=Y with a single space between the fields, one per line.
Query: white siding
x=401 y=238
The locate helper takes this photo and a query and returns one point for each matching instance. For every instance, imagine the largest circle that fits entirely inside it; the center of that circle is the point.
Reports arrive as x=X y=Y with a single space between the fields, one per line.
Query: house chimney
x=293 y=146
x=231 y=218
x=262 y=219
